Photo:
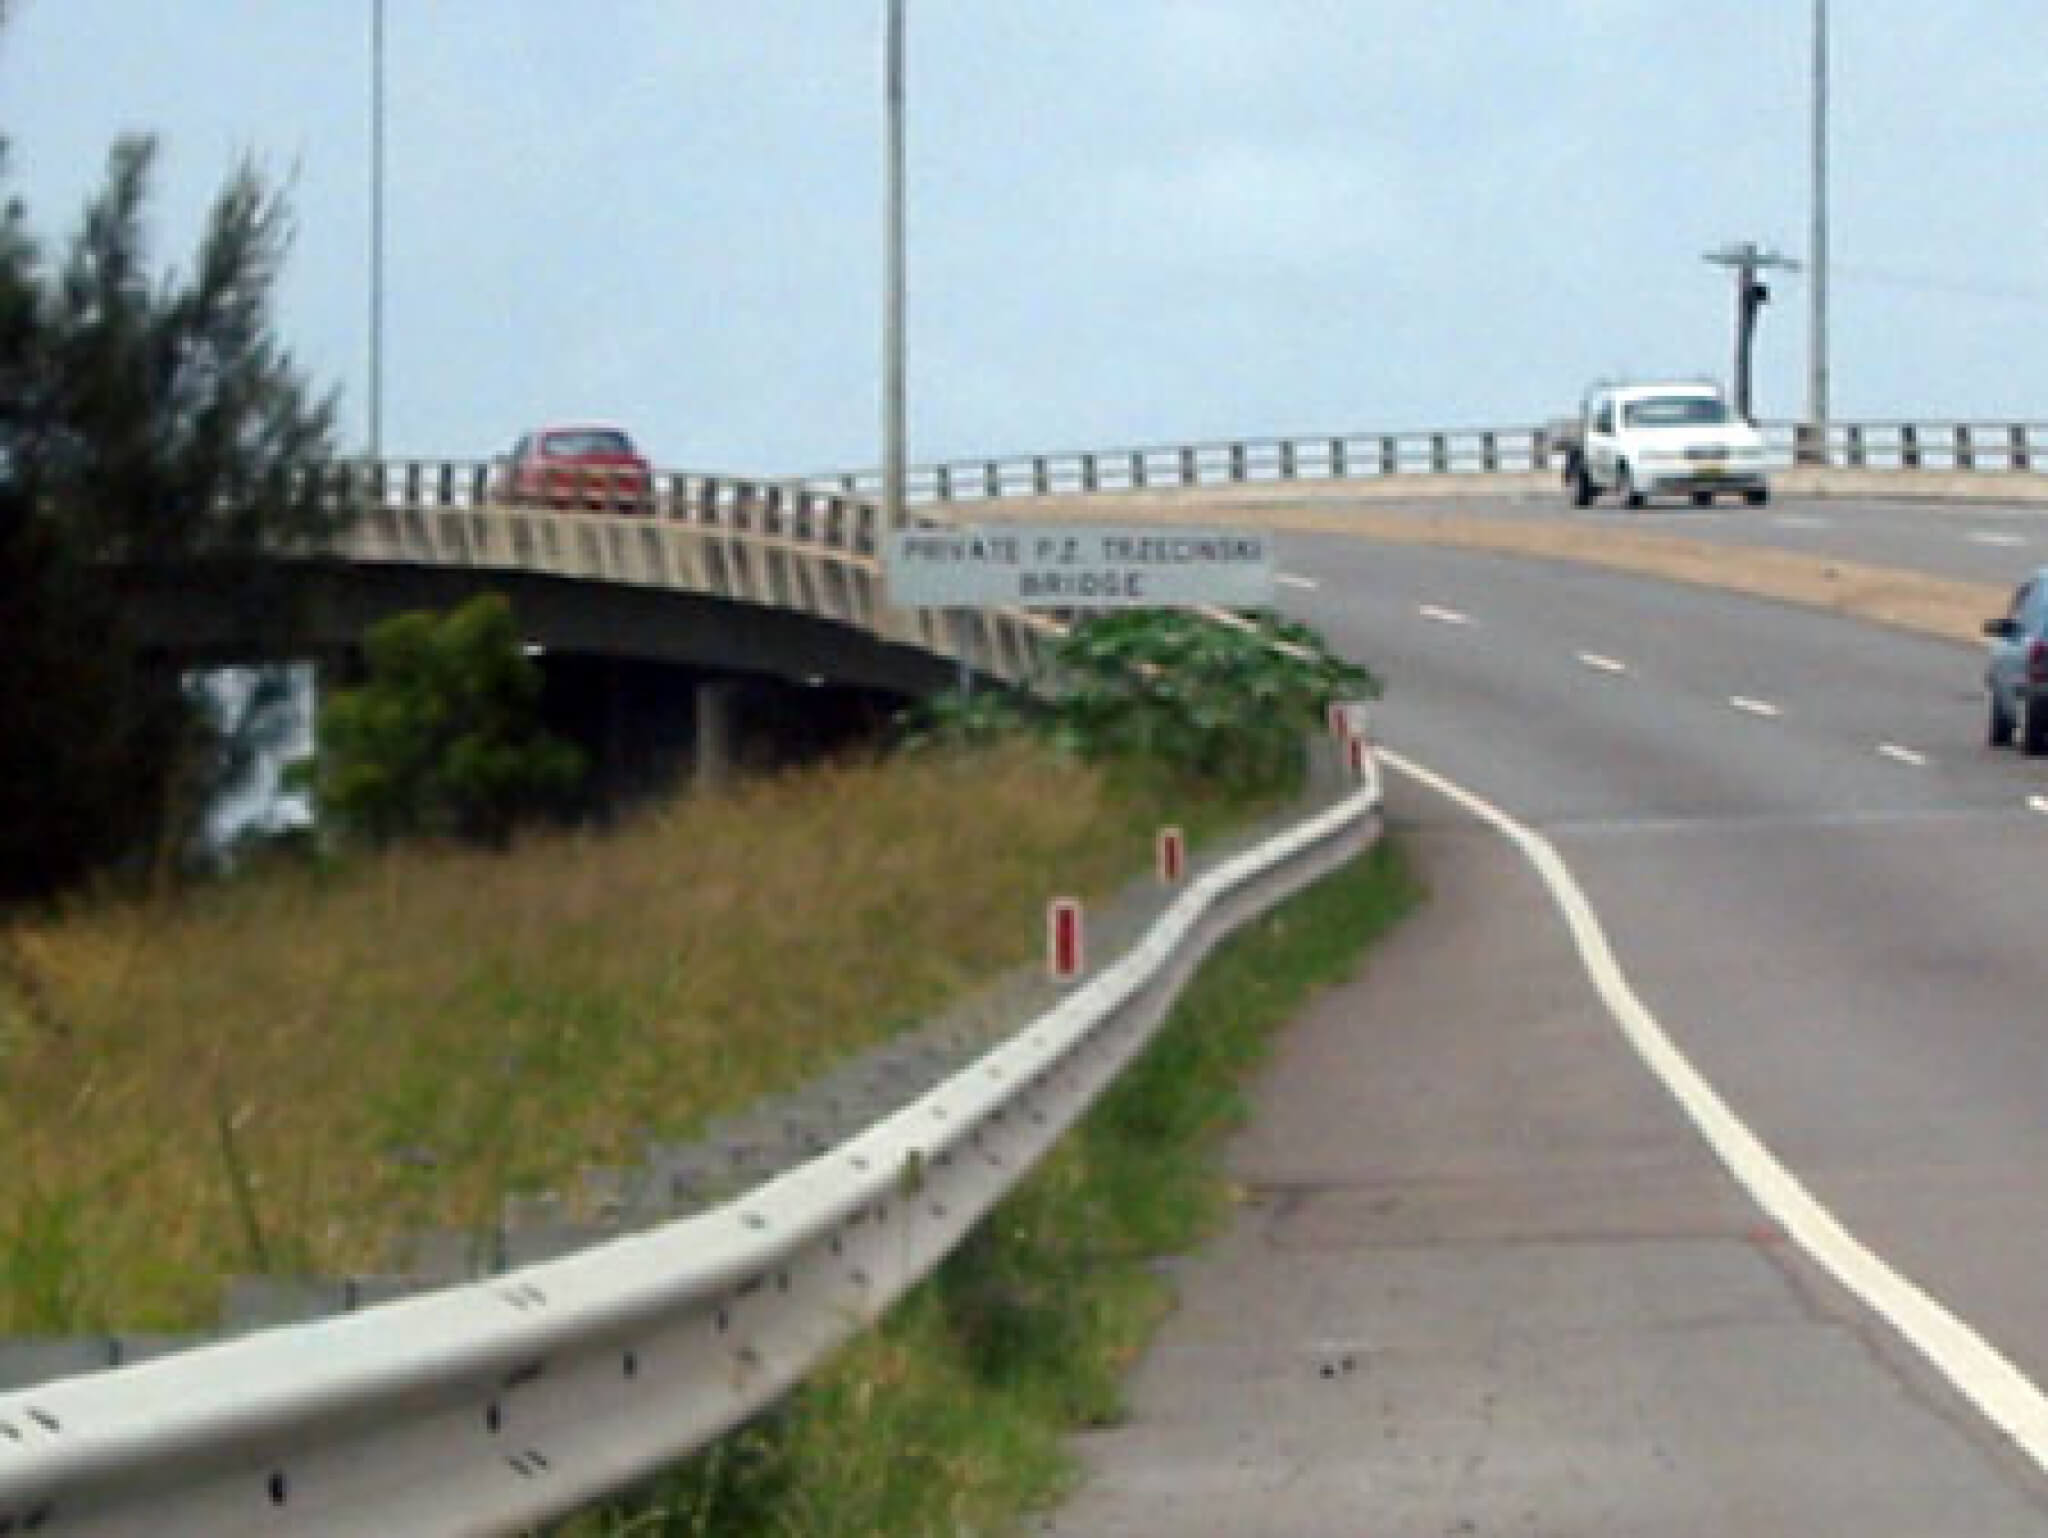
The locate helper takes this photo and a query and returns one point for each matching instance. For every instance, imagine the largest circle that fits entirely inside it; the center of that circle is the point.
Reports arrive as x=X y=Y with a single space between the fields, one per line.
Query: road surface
x=1490 y=1276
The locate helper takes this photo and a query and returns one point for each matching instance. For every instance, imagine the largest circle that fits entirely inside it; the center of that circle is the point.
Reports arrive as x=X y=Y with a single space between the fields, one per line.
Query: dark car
x=2016 y=676
x=588 y=466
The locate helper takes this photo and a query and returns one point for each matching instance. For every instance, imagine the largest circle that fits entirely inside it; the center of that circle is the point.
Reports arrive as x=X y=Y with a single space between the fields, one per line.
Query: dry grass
x=292 y=1072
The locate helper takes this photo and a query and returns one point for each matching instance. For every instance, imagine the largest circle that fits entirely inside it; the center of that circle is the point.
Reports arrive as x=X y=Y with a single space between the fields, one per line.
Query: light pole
x=376 y=228
x=893 y=432
x=1817 y=255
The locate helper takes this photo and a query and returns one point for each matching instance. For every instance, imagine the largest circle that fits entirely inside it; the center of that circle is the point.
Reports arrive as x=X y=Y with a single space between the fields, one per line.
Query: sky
x=1131 y=222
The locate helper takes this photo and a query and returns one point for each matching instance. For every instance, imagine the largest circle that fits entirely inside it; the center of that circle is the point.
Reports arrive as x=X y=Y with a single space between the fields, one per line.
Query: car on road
x=1673 y=437
x=2016 y=674
x=587 y=465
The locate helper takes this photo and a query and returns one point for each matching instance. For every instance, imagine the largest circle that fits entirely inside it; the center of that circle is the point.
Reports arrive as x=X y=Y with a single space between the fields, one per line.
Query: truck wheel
x=1757 y=496
x=1703 y=499
x=1625 y=486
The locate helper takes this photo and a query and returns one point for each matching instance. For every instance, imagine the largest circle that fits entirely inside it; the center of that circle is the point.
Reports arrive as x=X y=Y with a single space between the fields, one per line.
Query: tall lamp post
x=376 y=444
x=1817 y=256
x=893 y=432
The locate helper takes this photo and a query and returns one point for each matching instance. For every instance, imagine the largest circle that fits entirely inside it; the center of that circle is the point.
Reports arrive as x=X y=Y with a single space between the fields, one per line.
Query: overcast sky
x=1132 y=221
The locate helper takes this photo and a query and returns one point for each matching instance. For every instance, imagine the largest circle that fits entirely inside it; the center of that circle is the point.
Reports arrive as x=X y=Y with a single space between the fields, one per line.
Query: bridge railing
x=1994 y=446
x=775 y=544
x=1340 y=456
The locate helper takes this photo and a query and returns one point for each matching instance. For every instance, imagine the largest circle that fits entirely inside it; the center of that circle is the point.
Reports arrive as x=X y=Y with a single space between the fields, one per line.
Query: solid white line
x=1799 y=521
x=1289 y=579
x=1754 y=707
x=1602 y=664
x=2003 y=541
x=1446 y=616
x=2004 y=1394
x=1903 y=755
x=2037 y=803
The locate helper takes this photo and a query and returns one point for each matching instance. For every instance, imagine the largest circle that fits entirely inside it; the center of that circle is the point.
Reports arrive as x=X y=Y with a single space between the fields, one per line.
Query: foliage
x=1222 y=705
x=962 y=720
x=396 y=1039
x=444 y=739
x=143 y=422
x=1167 y=695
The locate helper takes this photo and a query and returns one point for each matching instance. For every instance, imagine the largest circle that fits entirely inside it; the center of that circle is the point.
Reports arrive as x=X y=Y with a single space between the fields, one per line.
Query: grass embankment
x=951 y=1417
x=291 y=1072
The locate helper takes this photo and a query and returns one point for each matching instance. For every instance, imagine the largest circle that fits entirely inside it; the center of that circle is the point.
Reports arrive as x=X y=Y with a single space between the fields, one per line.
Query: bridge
x=732 y=617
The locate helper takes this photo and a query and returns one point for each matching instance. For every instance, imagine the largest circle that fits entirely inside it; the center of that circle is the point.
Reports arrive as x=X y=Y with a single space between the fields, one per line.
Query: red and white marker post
x=1173 y=856
x=1064 y=949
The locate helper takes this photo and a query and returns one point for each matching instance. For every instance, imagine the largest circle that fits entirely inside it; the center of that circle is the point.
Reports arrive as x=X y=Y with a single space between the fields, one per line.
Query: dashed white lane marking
x=1754 y=707
x=1601 y=664
x=2038 y=803
x=1903 y=755
x=1442 y=615
x=2007 y=1398
x=1993 y=537
x=1289 y=579
x=1800 y=521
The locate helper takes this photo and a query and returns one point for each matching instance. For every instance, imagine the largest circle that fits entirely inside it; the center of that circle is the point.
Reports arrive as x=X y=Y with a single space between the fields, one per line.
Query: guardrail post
x=1089 y=480
x=2019 y=456
x=1808 y=446
x=1909 y=446
x=1853 y=445
x=1439 y=454
x=944 y=479
x=1390 y=455
x=1489 y=453
x=1966 y=453
x=992 y=479
x=1041 y=477
x=1338 y=469
x=1138 y=468
x=1188 y=474
x=1237 y=461
x=479 y=485
x=1539 y=449
x=1286 y=459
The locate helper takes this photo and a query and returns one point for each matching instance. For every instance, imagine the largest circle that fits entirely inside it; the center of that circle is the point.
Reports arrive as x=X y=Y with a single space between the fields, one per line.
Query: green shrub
x=445 y=738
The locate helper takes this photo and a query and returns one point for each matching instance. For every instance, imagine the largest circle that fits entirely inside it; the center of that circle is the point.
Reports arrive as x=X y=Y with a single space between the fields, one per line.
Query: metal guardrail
x=490 y=1407
x=2018 y=447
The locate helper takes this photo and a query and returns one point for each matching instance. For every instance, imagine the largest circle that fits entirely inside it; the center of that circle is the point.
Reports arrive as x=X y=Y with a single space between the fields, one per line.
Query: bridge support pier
x=717 y=731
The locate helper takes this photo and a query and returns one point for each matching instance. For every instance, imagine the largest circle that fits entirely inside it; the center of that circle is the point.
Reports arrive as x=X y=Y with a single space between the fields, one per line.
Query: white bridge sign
x=1077 y=566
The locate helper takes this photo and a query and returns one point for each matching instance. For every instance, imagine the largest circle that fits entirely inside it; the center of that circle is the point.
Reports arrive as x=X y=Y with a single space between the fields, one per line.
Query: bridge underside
x=656 y=685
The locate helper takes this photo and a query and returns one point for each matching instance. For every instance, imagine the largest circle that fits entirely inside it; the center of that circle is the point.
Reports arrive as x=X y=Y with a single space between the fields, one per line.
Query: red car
x=579 y=465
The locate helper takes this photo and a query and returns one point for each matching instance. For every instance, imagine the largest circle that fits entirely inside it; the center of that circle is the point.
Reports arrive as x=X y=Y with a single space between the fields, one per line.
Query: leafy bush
x=1224 y=705
x=445 y=738
x=1220 y=704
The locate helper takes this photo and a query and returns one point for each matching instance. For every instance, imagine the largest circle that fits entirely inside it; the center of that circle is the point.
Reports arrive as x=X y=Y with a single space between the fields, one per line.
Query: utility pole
x=1751 y=294
x=1817 y=255
x=893 y=432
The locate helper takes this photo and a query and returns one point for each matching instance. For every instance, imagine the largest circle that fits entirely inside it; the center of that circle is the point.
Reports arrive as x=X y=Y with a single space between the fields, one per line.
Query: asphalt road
x=1492 y=1279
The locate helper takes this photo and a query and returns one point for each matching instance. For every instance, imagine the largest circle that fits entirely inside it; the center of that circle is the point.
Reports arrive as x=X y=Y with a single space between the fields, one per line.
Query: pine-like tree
x=145 y=424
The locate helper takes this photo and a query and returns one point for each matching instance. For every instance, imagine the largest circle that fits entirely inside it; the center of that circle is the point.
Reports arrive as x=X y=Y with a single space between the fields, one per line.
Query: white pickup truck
x=1643 y=440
